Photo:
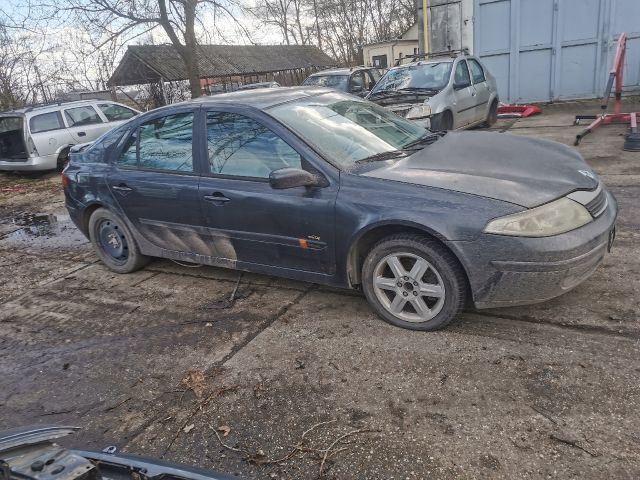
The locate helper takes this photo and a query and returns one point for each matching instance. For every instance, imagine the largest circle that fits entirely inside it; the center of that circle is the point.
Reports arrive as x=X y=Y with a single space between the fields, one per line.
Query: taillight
x=31 y=147
x=65 y=180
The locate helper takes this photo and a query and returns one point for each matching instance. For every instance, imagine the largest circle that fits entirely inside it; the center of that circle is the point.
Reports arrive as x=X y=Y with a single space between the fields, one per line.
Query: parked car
x=320 y=186
x=356 y=80
x=440 y=93
x=39 y=137
x=253 y=86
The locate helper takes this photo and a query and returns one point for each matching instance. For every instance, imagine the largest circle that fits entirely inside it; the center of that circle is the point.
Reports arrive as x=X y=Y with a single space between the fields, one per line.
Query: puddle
x=41 y=231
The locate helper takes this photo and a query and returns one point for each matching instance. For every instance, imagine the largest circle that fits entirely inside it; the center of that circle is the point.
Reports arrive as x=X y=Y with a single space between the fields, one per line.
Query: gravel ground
x=295 y=381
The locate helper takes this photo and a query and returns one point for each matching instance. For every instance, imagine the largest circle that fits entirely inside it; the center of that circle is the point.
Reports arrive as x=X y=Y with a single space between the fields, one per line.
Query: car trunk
x=12 y=145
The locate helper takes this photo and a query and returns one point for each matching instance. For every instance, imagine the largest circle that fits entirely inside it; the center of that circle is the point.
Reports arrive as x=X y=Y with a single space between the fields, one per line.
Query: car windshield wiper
x=382 y=156
x=386 y=93
x=419 y=90
x=426 y=139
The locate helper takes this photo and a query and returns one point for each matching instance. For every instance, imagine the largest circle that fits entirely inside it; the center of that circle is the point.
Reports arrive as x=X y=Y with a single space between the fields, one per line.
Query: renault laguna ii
x=321 y=186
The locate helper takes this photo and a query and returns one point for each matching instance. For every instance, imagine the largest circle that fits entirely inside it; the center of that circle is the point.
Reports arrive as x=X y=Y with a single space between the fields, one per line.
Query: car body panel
x=494 y=165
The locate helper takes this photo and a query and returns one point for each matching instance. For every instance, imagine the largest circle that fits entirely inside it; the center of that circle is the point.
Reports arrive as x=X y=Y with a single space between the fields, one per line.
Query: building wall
x=392 y=50
x=543 y=50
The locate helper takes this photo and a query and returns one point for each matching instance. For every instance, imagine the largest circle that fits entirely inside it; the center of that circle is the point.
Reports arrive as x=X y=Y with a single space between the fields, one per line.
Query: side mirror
x=291 y=177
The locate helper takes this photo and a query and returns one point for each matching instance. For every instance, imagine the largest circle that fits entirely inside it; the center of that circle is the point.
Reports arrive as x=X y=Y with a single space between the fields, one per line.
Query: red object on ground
x=617 y=116
x=517 y=111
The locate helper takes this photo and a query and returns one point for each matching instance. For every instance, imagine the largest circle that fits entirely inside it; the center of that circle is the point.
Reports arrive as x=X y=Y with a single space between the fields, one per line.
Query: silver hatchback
x=440 y=93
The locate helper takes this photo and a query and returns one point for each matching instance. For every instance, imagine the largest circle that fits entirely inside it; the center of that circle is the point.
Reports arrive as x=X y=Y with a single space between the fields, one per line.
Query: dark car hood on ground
x=524 y=171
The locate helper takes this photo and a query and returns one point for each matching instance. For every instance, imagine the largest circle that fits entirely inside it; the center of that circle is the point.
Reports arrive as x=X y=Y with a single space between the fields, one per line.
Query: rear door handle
x=122 y=188
x=217 y=197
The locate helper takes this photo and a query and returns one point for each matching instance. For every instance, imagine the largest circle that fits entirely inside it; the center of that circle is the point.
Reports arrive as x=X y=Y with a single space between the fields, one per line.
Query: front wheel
x=441 y=122
x=413 y=282
x=114 y=243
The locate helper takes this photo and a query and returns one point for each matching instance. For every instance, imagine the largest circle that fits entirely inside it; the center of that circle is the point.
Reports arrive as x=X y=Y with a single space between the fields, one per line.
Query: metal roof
x=148 y=63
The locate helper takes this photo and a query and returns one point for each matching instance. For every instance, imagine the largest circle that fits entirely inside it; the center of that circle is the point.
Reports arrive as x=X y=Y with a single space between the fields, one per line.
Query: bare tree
x=118 y=19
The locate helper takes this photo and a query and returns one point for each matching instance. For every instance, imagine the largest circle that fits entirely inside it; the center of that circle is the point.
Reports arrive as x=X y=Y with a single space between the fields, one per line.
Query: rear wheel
x=114 y=243
x=63 y=159
x=413 y=282
x=492 y=117
x=442 y=121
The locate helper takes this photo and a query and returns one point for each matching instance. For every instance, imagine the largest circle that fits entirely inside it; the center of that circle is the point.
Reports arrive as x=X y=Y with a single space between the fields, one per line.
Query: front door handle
x=122 y=188
x=82 y=134
x=217 y=197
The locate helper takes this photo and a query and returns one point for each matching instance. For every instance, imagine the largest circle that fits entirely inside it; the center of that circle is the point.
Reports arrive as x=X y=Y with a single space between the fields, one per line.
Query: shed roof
x=149 y=63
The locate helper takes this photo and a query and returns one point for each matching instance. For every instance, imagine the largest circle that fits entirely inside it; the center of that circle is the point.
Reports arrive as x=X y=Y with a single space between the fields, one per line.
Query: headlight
x=421 y=111
x=553 y=218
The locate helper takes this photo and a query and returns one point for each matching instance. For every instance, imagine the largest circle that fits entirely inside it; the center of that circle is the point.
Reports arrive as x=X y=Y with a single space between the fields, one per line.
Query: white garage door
x=542 y=50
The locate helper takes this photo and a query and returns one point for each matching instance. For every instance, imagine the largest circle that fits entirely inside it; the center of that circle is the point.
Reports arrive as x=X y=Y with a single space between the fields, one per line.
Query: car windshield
x=346 y=131
x=428 y=76
x=338 y=82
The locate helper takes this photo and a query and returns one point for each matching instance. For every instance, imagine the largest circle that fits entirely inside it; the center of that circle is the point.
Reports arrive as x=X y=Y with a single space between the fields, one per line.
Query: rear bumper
x=509 y=271
x=32 y=164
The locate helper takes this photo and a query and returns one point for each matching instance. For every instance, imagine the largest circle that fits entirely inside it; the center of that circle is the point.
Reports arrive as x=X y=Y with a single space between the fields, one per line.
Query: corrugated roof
x=148 y=63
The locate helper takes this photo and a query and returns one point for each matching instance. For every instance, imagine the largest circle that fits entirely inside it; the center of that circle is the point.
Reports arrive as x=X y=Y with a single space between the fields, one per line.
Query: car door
x=483 y=94
x=464 y=96
x=84 y=123
x=250 y=222
x=155 y=183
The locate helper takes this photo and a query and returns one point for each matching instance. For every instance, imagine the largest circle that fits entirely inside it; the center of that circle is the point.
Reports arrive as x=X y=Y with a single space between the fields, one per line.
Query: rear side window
x=79 y=116
x=45 y=122
x=115 y=113
x=165 y=143
x=241 y=147
x=476 y=71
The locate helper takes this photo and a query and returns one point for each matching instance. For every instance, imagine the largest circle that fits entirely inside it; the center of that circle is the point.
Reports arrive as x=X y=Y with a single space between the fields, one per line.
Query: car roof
x=339 y=71
x=260 y=98
x=52 y=107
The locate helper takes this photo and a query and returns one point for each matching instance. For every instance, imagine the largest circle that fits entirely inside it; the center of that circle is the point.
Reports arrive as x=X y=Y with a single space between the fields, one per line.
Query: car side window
x=242 y=147
x=476 y=71
x=462 y=77
x=164 y=143
x=357 y=82
x=45 y=122
x=79 y=116
x=115 y=113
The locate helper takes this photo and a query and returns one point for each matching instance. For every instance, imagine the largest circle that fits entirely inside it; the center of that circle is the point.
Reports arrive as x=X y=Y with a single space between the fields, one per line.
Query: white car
x=441 y=93
x=39 y=137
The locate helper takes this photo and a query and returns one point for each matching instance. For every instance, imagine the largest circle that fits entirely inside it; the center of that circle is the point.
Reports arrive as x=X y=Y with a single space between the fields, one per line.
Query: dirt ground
x=298 y=381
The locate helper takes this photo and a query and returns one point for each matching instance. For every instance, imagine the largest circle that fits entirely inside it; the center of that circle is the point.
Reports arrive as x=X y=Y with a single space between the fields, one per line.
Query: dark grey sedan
x=321 y=186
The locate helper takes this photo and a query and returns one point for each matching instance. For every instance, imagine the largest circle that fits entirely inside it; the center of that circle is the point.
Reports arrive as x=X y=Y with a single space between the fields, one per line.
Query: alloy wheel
x=409 y=287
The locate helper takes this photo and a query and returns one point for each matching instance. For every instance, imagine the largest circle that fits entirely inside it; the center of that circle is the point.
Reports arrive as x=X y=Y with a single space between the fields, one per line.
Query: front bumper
x=31 y=164
x=509 y=271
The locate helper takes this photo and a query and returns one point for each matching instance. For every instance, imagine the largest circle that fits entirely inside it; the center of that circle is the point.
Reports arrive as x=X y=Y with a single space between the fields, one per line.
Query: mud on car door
x=155 y=184
x=252 y=222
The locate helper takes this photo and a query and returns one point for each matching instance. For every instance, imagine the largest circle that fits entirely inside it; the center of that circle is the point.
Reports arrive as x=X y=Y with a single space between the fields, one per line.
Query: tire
x=443 y=277
x=63 y=159
x=442 y=122
x=113 y=242
x=492 y=117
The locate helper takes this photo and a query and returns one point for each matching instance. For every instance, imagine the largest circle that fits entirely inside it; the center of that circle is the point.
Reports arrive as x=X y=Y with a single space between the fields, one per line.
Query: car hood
x=520 y=170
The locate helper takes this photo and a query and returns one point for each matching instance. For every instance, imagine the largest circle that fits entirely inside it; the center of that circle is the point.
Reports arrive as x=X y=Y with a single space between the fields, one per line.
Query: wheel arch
x=86 y=215
x=366 y=238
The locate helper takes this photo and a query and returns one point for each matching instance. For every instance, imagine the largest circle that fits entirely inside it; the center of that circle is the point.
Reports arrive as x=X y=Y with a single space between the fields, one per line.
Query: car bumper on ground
x=509 y=271
x=32 y=164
